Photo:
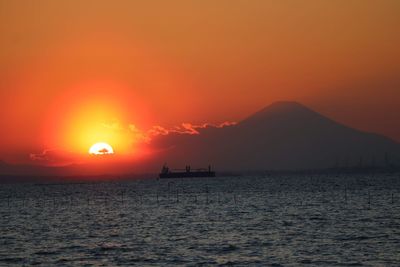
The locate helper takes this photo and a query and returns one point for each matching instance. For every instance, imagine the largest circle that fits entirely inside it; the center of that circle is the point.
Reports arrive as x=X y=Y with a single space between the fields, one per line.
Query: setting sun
x=101 y=149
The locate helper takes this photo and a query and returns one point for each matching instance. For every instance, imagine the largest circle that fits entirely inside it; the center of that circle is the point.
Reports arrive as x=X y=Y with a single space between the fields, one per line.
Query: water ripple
x=246 y=221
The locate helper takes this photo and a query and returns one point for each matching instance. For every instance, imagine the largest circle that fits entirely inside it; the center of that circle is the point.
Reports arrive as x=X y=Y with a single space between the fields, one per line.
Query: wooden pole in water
x=177 y=195
x=169 y=189
x=345 y=194
x=207 y=194
x=206 y=191
x=392 y=198
x=369 y=198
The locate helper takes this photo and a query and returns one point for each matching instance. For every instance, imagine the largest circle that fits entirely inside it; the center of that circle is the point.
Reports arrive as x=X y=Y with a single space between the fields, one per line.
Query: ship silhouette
x=185 y=173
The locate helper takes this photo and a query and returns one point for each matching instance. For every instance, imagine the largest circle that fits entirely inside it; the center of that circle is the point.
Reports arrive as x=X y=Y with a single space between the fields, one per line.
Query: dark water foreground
x=246 y=221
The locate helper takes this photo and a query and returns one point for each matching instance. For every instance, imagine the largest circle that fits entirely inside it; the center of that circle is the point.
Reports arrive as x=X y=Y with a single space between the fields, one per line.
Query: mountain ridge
x=285 y=135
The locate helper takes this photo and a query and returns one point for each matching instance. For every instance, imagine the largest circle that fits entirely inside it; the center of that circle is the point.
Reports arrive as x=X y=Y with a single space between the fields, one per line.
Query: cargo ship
x=185 y=173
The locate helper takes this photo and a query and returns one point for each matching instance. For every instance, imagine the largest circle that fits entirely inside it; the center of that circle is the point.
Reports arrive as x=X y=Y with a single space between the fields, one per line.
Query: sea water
x=307 y=220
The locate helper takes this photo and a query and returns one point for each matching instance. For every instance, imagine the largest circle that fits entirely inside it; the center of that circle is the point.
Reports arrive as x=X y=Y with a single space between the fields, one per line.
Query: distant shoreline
x=88 y=179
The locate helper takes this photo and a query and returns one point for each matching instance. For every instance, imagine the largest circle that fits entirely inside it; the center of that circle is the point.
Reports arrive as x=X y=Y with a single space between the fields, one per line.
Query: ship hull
x=186 y=174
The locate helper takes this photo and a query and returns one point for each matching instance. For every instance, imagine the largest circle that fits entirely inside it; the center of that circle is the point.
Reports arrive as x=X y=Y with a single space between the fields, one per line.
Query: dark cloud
x=59 y=157
x=55 y=157
x=185 y=128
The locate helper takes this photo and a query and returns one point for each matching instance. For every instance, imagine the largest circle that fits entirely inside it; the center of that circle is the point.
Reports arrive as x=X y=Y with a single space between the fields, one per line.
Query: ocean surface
x=303 y=220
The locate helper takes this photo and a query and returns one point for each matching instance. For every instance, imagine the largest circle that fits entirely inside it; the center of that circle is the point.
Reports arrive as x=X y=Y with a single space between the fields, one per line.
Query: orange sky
x=74 y=72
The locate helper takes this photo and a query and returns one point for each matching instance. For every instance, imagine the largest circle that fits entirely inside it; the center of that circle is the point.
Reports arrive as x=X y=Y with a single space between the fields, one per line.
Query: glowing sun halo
x=101 y=149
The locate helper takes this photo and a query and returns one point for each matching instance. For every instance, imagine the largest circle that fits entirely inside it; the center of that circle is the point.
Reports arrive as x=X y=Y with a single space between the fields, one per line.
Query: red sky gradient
x=73 y=73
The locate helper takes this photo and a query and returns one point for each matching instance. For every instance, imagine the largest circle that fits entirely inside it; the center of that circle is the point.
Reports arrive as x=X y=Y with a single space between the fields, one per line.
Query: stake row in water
x=159 y=198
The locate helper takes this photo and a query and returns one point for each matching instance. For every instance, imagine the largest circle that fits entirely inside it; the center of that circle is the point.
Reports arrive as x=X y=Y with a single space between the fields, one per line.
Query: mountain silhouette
x=282 y=136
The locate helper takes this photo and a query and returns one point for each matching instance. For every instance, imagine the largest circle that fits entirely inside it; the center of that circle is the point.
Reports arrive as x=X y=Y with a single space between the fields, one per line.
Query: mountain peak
x=284 y=106
x=281 y=108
